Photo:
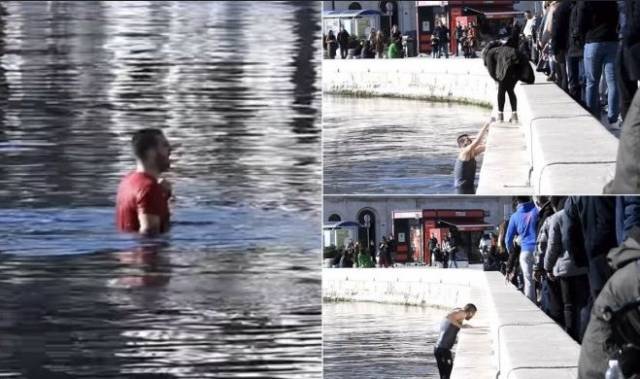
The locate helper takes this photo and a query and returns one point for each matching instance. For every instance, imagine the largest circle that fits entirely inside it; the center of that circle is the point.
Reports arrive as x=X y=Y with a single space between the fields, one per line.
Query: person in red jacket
x=142 y=201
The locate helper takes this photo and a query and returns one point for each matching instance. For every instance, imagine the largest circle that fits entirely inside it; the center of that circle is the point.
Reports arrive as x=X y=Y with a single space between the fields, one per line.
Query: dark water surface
x=233 y=290
x=370 y=340
x=393 y=146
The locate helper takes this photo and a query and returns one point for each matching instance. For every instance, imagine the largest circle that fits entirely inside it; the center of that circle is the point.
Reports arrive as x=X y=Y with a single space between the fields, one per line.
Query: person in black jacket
x=628 y=62
x=575 y=54
x=343 y=42
x=592 y=234
x=507 y=65
x=598 y=22
x=560 y=37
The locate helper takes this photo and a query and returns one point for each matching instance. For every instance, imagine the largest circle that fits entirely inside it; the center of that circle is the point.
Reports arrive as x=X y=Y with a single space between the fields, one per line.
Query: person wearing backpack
x=611 y=343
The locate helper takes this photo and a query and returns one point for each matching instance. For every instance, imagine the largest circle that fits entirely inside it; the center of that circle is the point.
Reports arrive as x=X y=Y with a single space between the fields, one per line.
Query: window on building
x=335 y=218
x=355 y=6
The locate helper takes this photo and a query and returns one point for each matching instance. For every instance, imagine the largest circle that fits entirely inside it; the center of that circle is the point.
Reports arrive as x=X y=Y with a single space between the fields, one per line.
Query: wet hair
x=460 y=138
x=523 y=199
x=470 y=308
x=143 y=140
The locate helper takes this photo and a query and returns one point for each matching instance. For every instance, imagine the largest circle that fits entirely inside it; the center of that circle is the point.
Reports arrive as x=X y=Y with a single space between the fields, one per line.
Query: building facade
x=379 y=209
x=403 y=12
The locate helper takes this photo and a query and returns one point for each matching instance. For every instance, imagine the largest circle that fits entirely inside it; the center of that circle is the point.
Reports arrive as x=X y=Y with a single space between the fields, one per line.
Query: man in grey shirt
x=449 y=328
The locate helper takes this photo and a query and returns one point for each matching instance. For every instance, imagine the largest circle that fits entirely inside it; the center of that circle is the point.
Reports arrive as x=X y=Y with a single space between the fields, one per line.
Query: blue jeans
x=599 y=56
x=526 y=265
x=453 y=261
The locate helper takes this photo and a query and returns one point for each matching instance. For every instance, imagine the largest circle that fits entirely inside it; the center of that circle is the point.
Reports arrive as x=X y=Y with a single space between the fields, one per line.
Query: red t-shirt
x=140 y=191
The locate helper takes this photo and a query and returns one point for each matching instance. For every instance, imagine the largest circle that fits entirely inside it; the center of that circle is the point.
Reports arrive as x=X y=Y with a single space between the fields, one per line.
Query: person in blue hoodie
x=523 y=223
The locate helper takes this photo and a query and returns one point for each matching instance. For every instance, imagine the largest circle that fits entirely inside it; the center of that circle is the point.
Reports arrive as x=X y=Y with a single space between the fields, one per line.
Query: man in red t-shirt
x=142 y=202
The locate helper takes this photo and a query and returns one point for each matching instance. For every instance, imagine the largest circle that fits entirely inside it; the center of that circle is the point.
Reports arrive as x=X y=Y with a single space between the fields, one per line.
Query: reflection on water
x=233 y=289
x=370 y=340
x=392 y=146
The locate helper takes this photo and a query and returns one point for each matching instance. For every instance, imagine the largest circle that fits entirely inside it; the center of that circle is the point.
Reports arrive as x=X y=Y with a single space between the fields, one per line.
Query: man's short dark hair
x=460 y=137
x=145 y=139
x=523 y=199
x=470 y=308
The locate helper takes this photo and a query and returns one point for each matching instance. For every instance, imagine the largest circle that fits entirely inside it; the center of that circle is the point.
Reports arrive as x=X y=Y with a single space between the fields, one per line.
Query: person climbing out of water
x=464 y=170
x=449 y=328
x=507 y=65
x=143 y=196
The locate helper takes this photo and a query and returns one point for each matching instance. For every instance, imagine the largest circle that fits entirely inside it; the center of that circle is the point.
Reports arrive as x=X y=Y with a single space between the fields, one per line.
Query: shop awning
x=494 y=15
x=467 y=225
x=342 y=224
x=351 y=13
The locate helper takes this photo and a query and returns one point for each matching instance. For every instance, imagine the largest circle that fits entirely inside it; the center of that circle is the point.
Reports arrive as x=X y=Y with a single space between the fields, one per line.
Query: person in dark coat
x=507 y=65
x=443 y=38
x=343 y=42
x=613 y=332
x=332 y=44
x=592 y=234
x=560 y=37
x=628 y=62
x=575 y=61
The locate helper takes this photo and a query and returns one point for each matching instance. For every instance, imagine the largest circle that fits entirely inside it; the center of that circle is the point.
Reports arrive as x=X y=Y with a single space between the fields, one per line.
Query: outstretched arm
x=479 y=140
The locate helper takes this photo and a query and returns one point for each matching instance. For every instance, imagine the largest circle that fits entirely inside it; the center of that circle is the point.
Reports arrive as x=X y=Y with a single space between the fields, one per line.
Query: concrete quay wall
x=568 y=150
x=509 y=337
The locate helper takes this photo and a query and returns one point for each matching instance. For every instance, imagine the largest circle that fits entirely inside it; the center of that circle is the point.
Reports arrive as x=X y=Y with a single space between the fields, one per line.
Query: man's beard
x=163 y=164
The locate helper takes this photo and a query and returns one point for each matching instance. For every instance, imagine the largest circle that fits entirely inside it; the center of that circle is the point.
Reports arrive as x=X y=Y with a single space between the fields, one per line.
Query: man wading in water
x=449 y=328
x=142 y=202
x=464 y=171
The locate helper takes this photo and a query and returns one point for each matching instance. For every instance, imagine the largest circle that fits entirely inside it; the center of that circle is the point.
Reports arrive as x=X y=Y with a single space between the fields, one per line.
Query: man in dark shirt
x=598 y=23
x=343 y=42
x=142 y=201
x=449 y=328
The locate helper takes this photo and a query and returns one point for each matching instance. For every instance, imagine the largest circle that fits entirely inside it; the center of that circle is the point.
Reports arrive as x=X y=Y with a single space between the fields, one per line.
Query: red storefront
x=413 y=229
x=465 y=11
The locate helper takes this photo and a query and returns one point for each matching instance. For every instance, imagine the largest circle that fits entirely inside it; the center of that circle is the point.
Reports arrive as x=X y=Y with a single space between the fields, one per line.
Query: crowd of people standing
x=589 y=48
x=578 y=259
x=376 y=45
x=354 y=255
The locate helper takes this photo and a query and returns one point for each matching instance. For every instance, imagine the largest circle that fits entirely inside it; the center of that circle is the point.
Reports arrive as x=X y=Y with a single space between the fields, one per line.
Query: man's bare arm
x=149 y=224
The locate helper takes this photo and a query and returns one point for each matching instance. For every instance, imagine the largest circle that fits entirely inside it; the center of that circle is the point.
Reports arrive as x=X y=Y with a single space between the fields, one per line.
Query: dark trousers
x=551 y=301
x=506 y=86
x=561 y=70
x=575 y=78
x=443 y=49
x=575 y=300
x=343 y=51
x=444 y=361
x=626 y=86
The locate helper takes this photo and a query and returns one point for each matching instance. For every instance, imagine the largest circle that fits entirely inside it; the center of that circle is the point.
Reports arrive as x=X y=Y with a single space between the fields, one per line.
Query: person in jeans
x=523 y=223
x=560 y=266
x=449 y=328
x=575 y=58
x=598 y=22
